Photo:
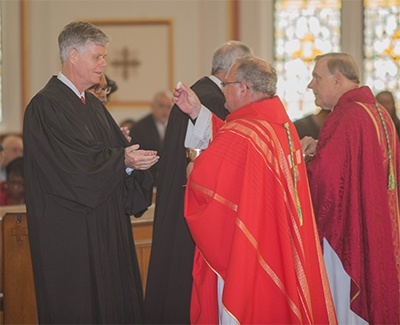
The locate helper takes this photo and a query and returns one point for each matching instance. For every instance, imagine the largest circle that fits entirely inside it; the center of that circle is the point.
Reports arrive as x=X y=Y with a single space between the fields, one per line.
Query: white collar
x=216 y=81
x=65 y=80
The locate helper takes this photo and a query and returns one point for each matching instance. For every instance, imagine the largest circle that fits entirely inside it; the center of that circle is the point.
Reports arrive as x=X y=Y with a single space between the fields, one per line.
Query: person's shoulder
x=348 y=120
x=303 y=121
x=354 y=112
x=51 y=91
x=306 y=127
x=143 y=122
x=210 y=95
x=92 y=98
x=210 y=92
x=201 y=82
x=205 y=86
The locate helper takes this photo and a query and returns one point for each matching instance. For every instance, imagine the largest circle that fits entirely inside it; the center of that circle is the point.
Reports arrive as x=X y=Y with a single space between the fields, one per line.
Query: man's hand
x=309 y=146
x=125 y=130
x=189 y=169
x=187 y=100
x=140 y=159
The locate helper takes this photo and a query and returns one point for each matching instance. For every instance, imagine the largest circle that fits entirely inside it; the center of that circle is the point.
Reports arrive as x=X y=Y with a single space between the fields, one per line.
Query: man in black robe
x=149 y=131
x=169 y=280
x=80 y=193
x=310 y=125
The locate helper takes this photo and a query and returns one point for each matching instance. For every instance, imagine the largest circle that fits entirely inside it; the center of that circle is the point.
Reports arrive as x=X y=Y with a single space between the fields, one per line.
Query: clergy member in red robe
x=354 y=177
x=258 y=258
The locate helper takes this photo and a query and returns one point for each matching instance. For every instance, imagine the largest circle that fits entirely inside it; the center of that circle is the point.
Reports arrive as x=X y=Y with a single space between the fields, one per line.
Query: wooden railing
x=17 y=296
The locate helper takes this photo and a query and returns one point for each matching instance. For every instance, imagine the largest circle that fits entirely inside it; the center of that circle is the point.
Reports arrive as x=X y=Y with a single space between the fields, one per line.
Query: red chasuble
x=354 y=179
x=249 y=211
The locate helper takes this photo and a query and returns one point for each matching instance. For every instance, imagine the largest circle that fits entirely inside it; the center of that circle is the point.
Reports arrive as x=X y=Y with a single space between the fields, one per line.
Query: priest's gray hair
x=342 y=63
x=258 y=75
x=227 y=53
x=77 y=35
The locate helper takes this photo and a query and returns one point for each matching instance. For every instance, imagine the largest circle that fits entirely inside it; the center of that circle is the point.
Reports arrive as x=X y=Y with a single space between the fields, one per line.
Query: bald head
x=263 y=64
x=13 y=148
x=343 y=63
x=248 y=80
x=161 y=106
x=258 y=75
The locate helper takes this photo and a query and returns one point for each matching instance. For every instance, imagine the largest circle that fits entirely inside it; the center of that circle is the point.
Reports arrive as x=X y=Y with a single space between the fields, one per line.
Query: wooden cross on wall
x=126 y=63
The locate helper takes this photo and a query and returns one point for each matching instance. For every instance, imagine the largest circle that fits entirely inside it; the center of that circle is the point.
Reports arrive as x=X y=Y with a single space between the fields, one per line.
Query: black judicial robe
x=78 y=199
x=307 y=126
x=169 y=280
x=145 y=133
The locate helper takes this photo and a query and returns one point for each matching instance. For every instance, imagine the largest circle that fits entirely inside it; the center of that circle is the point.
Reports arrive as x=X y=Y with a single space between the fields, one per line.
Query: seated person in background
x=386 y=99
x=311 y=124
x=12 y=191
x=12 y=148
x=104 y=89
x=149 y=131
x=113 y=86
x=127 y=123
x=2 y=155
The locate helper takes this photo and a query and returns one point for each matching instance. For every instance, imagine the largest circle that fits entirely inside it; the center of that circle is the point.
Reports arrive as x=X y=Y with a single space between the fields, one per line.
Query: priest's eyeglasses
x=98 y=89
x=226 y=83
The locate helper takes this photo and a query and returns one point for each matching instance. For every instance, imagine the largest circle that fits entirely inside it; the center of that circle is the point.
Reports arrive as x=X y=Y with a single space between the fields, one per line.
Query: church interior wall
x=198 y=28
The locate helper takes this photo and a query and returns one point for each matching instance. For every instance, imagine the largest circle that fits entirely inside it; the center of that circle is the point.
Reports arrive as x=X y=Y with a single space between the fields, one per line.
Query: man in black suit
x=169 y=281
x=150 y=130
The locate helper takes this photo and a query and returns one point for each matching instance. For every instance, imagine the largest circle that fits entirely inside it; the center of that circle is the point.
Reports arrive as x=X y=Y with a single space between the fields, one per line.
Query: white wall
x=11 y=68
x=199 y=27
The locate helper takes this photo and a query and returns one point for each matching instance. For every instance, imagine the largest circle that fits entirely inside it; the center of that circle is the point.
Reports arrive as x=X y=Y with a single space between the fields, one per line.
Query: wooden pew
x=142 y=232
x=3 y=212
x=19 y=301
x=16 y=278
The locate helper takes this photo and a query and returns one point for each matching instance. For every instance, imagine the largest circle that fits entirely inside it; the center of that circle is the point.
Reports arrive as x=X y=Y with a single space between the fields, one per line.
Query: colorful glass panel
x=382 y=46
x=303 y=30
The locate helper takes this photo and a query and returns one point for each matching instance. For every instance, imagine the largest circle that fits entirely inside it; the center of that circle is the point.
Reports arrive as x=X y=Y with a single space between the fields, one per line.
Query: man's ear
x=73 y=55
x=338 y=78
x=243 y=90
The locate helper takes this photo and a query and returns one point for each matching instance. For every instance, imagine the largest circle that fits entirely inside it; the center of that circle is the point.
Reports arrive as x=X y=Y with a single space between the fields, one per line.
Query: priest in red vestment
x=258 y=258
x=354 y=177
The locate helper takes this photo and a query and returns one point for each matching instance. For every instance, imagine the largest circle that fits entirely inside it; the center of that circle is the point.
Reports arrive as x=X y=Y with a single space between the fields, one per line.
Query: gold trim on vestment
x=392 y=182
x=280 y=166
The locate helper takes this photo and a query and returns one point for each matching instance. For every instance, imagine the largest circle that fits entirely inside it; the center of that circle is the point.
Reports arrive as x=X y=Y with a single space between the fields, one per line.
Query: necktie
x=83 y=100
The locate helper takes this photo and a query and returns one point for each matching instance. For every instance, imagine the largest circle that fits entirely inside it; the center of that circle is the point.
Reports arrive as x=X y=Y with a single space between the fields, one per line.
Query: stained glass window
x=382 y=46
x=303 y=30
